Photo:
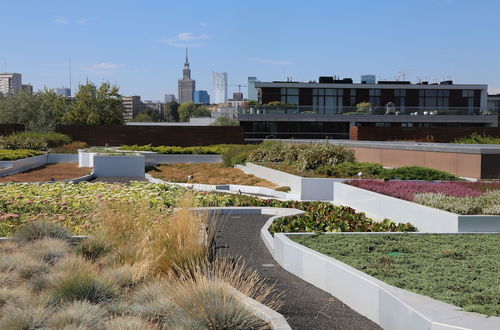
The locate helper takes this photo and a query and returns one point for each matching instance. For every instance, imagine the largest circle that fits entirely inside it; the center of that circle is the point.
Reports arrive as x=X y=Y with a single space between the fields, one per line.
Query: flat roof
x=367 y=86
x=418 y=146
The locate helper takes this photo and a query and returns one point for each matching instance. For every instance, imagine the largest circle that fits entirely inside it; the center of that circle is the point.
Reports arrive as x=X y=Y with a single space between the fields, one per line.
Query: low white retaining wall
x=309 y=189
x=426 y=219
x=16 y=166
x=388 y=306
x=62 y=158
x=188 y=158
x=119 y=166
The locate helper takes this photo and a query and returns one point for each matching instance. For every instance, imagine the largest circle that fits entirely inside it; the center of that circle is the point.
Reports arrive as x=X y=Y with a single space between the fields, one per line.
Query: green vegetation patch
x=459 y=269
x=217 y=149
x=476 y=138
x=18 y=154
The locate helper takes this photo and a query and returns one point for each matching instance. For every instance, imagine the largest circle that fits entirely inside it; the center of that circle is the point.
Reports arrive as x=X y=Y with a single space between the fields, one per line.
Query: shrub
x=323 y=154
x=237 y=154
x=77 y=315
x=418 y=173
x=71 y=148
x=41 y=229
x=476 y=138
x=17 y=141
x=351 y=169
x=216 y=149
x=18 y=154
x=83 y=286
x=283 y=188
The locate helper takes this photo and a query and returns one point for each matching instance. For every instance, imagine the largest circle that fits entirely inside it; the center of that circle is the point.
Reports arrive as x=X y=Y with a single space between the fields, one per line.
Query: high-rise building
x=63 y=91
x=220 y=87
x=170 y=98
x=186 y=84
x=132 y=105
x=201 y=97
x=252 y=91
x=10 y=83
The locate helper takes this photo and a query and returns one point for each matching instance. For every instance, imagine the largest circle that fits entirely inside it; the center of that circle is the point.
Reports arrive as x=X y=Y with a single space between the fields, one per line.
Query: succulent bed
x=460 y=269
x=72 y=206
x=472 y=198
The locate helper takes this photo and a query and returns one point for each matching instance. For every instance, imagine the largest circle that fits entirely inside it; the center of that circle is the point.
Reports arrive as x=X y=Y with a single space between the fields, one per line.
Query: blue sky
x=139 y=45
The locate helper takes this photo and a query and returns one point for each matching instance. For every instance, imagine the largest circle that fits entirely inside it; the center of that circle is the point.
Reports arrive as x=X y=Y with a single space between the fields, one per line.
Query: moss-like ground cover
x=459 y=269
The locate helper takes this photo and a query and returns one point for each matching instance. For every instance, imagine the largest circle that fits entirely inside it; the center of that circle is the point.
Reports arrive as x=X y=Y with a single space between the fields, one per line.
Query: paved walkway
x=305 y=307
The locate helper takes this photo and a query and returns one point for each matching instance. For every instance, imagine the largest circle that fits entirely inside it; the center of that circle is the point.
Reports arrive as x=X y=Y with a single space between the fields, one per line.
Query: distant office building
x=132 y=105
x=237 y=96
x=63 y=91
x=252 y=91
x=170 y=98
x=27 y=88
x=10 y=83
x=368 y=79
x=220 y=87
x=201 y=97
x=187 y=86
x=152 y=105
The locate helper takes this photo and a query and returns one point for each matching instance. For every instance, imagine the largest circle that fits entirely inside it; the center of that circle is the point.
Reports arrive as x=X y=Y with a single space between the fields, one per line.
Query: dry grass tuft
x=26 y=312
x=128 y=323
x=78 y=315
x=48 y=250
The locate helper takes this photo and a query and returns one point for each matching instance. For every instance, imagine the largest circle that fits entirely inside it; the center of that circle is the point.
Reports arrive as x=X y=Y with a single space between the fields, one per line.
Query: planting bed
x=470 y=198
x=141 y=268
x=61 y=171
x=72 y=205
x=460 y=269
x=214 y=174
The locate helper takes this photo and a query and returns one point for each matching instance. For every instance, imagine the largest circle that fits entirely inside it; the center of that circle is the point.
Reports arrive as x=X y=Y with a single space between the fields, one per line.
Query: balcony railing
x=353 y=110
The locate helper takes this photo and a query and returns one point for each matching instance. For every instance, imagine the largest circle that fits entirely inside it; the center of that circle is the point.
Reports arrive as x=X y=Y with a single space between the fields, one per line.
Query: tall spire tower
x=186 y=84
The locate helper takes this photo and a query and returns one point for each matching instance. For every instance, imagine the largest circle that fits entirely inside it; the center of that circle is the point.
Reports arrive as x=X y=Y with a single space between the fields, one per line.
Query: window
x=433 y=98
x=290 y=96
x=327 y=100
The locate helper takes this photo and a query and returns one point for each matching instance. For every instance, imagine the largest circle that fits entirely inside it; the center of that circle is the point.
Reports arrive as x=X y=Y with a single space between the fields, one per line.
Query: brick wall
x=439 y=134
x=7 y=129
x=183 y=136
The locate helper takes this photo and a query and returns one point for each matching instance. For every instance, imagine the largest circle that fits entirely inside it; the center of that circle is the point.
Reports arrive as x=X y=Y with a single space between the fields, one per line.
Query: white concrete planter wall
x=16 y=166
x=62 y=158
x=188 y=158
x=119 y=166
x=426 y=219
x=320 y=189
x=86 y=159
x=388 y=306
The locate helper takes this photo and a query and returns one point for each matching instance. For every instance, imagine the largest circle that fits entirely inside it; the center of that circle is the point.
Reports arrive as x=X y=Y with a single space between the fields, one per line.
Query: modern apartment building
x=220 y=87
x=201 y=97
x=10 y=83
x=27 y=87
x=329 y=107
x=252 y=91
x=132 y=105
x=494 y=103
x=187 y=85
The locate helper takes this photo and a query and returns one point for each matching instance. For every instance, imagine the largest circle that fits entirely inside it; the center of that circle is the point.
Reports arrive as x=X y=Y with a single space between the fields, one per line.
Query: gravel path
x=305 y=307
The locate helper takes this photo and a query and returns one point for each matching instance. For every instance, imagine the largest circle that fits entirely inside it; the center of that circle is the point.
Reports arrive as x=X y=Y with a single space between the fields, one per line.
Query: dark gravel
x=305 y=306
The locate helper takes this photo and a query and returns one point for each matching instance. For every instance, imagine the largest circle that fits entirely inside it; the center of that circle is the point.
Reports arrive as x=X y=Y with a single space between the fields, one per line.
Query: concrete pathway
x=305 y=306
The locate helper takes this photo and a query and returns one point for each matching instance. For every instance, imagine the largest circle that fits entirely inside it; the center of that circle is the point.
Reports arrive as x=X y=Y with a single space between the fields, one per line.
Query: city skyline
x=302 y=42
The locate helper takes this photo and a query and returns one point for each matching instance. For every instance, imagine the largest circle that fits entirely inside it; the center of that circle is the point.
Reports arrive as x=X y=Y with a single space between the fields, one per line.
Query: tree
x=225 y=121
x=102 y=106
x=170 y=112
x=189 y=109
x=143 y=116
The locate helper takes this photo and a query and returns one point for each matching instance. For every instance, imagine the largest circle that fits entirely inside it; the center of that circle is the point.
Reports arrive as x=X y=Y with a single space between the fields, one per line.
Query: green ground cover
x=18 y=154
x=74 y=205
x=459 y=269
